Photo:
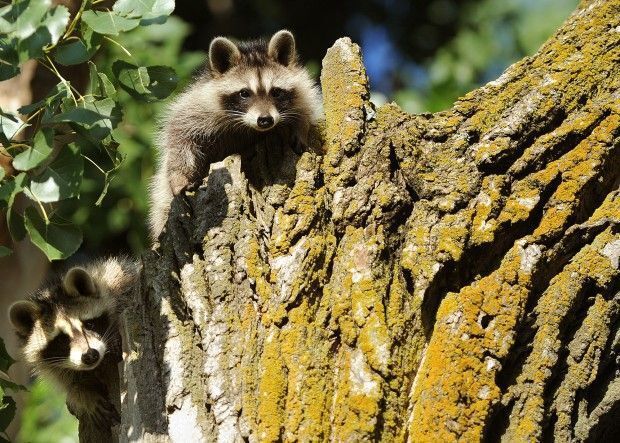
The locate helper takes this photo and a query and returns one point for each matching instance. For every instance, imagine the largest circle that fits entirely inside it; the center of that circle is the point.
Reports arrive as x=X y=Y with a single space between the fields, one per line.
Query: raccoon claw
x=192 y=186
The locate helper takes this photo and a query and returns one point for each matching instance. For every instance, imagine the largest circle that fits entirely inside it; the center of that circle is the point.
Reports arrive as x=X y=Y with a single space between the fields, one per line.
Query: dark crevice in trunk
x=606 y=430
x=552 y=419
x=497 y=427
x=512 y=367
x=568 y=327
x=557 y=150
x=501 y=163
x=607 y=371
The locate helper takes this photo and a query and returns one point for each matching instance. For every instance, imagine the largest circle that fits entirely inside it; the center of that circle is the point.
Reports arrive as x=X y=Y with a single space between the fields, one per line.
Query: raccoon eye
x=99 y=324
x=276 y=92
x=90 y=324
x=245 y=93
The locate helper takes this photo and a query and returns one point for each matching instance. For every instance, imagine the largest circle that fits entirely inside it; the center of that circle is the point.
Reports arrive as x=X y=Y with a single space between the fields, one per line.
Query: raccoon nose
x=265 y=121
x=90 y=357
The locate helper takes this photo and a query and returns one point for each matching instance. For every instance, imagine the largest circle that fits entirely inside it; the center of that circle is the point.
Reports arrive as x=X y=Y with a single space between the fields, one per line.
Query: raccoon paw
x=298 y=146
x=95 y=409
x=104 y=414
x=192 y=186
x=178 y=183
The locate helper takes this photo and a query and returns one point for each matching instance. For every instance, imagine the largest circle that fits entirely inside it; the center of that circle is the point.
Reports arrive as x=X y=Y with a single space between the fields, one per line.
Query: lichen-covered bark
x=422 y=278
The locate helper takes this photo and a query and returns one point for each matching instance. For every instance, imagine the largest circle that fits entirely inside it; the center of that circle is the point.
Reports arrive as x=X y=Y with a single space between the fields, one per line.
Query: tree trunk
x=429 y=278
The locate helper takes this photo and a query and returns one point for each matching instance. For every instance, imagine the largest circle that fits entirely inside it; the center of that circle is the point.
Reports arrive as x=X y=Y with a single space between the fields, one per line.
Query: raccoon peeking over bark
x=252 y=90
x=68 y=334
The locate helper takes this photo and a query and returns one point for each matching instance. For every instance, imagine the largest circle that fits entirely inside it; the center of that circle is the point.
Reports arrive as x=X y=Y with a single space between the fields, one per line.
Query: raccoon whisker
x=291 y=118
x=113 y=341
x=44 y=363
x=238 y=124
x=109 y=338
x=292 y=114
x=53 y=359
x=232 y=118
x=234 y=125
x=108 y=331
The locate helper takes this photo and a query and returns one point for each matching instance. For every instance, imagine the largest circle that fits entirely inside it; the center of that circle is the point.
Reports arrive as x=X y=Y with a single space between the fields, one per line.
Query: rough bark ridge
x=430 y=278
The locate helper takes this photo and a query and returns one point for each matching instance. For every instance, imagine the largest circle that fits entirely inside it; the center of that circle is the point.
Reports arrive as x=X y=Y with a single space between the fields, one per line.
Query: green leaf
x=8 y=384
x=13 y=218
x=57 y=241
x=5 y=359
x=28 y=21
x=56 y=21
x=99 y=84
x=58 y=93
x=150 y=11
x=108 y=22
x=145 y=83
x=4 y=251
x=82 y=116
x=7 y=412
x=6 y=190
x=72 y=53
x=32 y=25
x=10 y=125
x=38 y=153
x=61 y=179
x=80 y=50
x=107 y=88
x=98 y=118
x=109 y=110
x=6 y=23
x=9 y=61
x=25 y=18
x=2 y=173
x=32 y=46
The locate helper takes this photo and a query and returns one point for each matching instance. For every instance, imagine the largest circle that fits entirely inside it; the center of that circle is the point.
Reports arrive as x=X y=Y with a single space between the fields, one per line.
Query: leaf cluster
x=48 y=143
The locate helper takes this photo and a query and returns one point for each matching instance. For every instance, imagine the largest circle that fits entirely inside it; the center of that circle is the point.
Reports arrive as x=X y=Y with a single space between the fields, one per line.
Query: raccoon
x=251 y=90
x=67 y=332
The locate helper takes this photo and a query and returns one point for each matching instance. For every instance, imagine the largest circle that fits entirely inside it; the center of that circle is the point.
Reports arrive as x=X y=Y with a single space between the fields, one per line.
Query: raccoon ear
x=223 y=55
x=282 y=47
x=22 y=315
x=78 y=282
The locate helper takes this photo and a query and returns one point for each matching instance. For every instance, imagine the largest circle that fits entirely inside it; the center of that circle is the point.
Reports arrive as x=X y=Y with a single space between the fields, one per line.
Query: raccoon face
x=258 y=85
x=66 y=326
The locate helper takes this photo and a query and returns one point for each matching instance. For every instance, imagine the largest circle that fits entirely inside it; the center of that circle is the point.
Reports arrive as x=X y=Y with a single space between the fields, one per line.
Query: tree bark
x=426 y=278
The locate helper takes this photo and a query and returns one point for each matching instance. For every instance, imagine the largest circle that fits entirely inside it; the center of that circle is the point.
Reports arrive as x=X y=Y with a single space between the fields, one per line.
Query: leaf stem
x=119 y=45
x=34 y=115
x=47 y=220
x=73 y=23
x=94 y=164
x=62 y=79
